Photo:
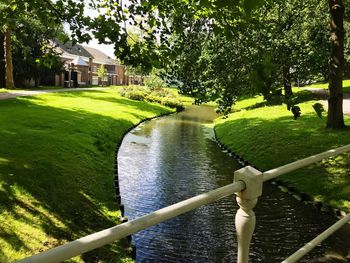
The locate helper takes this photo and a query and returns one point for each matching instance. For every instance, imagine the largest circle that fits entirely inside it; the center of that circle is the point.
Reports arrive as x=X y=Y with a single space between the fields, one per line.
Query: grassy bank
x=269 y=137
x=57 y=169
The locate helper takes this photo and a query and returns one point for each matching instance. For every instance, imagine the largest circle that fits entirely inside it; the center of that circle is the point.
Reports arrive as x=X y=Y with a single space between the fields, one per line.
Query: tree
x=15 y=13
x=335 y=119
x=260 y=52
x=6 y=10
x=10 y=84
x=2 y=64
x=34 y=55
x=102 y=74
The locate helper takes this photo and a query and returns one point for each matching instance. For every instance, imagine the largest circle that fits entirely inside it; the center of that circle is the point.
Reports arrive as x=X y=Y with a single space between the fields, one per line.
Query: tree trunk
x=287 y=83
x=335 y=119
x=8 y=60
x=325 y=76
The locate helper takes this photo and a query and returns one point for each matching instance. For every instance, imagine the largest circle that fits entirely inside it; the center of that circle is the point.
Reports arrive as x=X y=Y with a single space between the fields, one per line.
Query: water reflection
x=167 y=160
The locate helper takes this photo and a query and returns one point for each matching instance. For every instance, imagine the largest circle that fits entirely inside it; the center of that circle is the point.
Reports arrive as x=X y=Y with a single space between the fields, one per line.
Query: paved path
x=323 y=95
x=23 y=93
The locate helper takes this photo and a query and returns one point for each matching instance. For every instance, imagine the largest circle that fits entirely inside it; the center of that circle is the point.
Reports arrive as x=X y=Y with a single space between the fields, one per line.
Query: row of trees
x=220 y=49
x=213 y=49
x=26 y=29
x=280 y=43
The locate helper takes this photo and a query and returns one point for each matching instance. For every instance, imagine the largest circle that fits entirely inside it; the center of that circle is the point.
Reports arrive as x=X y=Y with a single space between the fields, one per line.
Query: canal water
x=172 y=158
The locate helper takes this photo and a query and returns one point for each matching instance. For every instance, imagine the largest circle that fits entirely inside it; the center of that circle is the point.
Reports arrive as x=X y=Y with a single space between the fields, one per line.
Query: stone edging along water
x=284 y=186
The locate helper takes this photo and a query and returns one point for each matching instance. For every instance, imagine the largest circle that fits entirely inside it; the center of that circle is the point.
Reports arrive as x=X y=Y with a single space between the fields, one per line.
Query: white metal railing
x=247 y=185
x=316 y=241
x=273 y=173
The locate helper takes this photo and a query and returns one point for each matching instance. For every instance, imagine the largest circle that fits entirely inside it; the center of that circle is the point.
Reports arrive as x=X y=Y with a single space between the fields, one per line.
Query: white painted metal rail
x=109 y=235
x=316 y=241
x=248 y=187
x=273 y=173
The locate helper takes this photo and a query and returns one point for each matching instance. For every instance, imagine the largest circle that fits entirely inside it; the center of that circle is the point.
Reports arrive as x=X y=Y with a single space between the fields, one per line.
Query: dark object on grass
x=296 y=111
x=318 y=107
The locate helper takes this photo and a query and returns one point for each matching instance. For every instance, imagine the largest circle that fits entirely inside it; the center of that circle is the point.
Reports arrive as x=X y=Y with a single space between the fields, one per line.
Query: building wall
x=84 y=75
x=87 y=75
x=121 y=78
x=110 y=68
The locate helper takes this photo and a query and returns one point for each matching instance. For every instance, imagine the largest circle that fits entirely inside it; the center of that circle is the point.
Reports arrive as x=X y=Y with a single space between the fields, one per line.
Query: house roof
x=78 y=61
x=69 y=51
x=100 y=56
x=77 y=50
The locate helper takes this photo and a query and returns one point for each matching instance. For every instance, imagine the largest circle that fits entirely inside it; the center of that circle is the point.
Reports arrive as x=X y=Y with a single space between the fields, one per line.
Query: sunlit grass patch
x=269 y=137
x=57 y=169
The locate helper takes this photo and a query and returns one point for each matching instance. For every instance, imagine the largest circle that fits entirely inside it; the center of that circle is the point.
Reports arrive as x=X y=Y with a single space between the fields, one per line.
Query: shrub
x=173 y=103
x=136 y=95
x=157 y=95
x=160 y=92
x=153 y=81
x=153 y=98
x=133 y=92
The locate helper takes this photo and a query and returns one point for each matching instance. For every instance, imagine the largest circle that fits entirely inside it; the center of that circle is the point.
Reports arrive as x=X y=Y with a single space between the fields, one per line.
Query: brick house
x=81 y=64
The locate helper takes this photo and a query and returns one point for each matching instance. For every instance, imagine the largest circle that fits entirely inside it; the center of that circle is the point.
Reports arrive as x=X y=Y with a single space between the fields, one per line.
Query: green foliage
x=296 y=111
x=172 y=103
x=32 y=53
x=264 y=78
x=319 y=109
x=158 y=95
x=102 y=74
x=128 y=91
x=153 y=81
x=154 y=98
x=279 y=43
x=136 y=95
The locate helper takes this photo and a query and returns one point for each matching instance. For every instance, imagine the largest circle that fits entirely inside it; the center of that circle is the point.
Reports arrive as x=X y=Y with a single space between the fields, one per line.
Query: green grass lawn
x=324 y=85
x=269 y=137
x=43 y=88
x=57 y=169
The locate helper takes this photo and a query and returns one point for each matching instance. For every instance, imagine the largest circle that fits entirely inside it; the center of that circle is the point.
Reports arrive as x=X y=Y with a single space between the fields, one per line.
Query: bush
x=173 y=103
x=153 y=98
x=160 y=92
x=133 y=93
x=153 y=81
x=157 y=95
x=136 y=95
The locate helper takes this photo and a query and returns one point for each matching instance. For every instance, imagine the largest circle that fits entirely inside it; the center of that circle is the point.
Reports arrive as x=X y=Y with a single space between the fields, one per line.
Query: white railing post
x=245 y=217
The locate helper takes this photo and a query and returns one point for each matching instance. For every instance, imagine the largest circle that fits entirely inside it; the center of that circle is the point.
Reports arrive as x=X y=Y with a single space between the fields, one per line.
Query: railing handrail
x=112 y=234
x=317 y=240
x=273 y=173
x=109 y=235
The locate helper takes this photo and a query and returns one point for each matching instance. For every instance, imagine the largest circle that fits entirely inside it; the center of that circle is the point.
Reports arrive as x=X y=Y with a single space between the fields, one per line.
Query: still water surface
x=172 y=158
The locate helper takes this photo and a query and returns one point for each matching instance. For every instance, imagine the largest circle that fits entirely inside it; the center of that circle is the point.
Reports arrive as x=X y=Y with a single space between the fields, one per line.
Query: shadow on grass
x=57 y=175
